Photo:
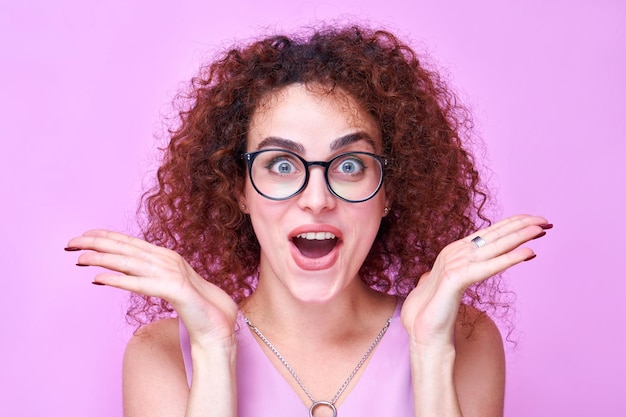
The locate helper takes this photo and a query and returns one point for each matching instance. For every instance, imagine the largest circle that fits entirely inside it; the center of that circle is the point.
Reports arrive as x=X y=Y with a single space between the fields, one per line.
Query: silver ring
x=479 y=242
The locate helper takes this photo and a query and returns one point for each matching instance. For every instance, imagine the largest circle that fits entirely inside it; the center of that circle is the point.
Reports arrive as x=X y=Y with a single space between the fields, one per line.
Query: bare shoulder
x=479 y=370
x=155 y=382
x=158 y=338
x=474 y=326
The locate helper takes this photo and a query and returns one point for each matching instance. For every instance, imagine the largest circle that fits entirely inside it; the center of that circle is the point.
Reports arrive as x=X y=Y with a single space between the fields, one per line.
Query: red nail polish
x=97 y=283
x=71 y=249
x=542 y=234
x=546 y=226
x=533 y=256
x=81 y=264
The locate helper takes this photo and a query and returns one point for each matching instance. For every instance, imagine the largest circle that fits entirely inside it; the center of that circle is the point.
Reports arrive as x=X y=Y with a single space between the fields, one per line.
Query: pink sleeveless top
x=383 y=390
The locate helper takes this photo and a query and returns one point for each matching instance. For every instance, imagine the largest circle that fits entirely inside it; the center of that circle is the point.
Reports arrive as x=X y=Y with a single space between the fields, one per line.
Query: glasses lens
x=277 y=174
x=355 y=176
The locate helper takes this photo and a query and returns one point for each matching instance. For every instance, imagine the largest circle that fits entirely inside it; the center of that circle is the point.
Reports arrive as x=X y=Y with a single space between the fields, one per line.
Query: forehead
x=312 y=116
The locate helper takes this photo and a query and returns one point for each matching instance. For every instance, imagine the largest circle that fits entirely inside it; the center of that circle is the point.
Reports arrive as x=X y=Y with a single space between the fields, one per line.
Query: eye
x=282 y=165
x=350 y=165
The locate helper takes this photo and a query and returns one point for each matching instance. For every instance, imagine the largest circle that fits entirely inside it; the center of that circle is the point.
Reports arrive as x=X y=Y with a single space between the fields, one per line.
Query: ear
x=388 y=204
x=240 y=195
x=389 y=198
x=243 y=206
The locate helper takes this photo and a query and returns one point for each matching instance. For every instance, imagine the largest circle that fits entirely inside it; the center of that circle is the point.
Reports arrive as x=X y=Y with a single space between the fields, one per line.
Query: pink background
x=84 y=84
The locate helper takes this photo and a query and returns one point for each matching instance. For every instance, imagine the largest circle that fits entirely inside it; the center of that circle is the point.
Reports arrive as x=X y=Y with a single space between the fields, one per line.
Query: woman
x=314 y=229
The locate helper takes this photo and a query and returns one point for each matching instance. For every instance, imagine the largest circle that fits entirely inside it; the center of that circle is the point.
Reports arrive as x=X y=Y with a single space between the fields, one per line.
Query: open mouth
x=315 y=244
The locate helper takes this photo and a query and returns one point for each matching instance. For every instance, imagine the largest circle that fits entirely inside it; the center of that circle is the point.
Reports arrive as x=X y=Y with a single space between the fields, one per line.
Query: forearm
x=213 y=390
x=434 y=392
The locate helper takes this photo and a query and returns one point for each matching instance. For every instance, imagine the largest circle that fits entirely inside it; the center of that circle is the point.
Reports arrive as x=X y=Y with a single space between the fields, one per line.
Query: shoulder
x=474 y=326
x=154 y=371
x=158 y=339
x=479 y=369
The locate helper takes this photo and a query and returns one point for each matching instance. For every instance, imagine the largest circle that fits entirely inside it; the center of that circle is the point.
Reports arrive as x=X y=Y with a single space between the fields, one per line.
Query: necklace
x=331 y=403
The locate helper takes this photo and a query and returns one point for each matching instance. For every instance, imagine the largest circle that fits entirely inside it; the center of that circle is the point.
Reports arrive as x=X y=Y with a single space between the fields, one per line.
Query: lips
x=315 y=247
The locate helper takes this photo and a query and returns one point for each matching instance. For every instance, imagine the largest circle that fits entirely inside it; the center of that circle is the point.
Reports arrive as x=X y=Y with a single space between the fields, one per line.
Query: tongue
x=314 y=248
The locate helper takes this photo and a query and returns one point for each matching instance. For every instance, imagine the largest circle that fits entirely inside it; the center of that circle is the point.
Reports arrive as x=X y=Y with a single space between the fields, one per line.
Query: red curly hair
x=433 y=182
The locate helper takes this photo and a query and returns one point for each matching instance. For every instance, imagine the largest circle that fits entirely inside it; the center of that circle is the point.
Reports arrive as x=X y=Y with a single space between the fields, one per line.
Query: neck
x=276 y=312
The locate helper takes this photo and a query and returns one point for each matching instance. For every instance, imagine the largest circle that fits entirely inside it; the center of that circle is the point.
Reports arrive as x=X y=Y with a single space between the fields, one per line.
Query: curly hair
x=433 y=181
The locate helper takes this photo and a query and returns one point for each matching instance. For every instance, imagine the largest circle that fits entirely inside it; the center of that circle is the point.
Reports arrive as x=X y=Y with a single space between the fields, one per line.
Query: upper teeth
x=316 y=236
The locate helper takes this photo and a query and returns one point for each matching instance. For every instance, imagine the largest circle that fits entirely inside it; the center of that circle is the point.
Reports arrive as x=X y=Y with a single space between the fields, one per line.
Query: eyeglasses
x=279 y=174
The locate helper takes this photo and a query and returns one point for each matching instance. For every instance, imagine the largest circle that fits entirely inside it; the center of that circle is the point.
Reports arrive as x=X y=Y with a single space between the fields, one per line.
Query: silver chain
x=297 y=378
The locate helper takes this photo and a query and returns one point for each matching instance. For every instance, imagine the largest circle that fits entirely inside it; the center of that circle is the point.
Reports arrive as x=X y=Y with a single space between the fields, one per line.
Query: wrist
x=223 y=351
x=433 y=356
x=213 y=342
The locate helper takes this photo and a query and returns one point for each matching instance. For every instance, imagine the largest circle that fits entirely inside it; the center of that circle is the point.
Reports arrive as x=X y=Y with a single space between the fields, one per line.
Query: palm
x=207 y=311
x=430 y=310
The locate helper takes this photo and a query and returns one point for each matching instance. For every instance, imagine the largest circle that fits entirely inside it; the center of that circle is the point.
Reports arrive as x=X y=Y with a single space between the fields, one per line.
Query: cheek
x=266 y=215
x=377 y=205
x=366 y=221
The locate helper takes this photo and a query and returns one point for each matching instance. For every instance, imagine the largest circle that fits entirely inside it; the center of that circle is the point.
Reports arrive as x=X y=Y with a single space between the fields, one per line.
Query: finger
x=113 y=242
x=497 y=246
x=137 y=284
x=121 y=237
x=148 y=265
x=480 y=271
x=176 y=292
x=516 y=221
x=531 y=225
x=101 y=241
x=474 y=272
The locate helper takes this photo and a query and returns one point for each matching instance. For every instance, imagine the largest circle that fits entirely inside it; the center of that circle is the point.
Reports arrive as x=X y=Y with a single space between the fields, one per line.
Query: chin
x=316 y=287
x=314 y=298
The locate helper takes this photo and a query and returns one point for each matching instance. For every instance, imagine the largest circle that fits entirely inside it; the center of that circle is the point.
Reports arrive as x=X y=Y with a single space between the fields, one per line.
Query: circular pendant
x=319 y=403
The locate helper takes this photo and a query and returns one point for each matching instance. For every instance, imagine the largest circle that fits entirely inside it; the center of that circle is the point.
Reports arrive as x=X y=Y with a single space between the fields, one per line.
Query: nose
x=316 y=197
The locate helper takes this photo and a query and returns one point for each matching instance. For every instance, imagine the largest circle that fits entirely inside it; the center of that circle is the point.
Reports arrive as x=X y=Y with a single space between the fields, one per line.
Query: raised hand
x=138 y=266
x=429 y=312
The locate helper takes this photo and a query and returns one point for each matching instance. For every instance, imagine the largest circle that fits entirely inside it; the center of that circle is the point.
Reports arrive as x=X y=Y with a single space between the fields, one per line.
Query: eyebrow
x=273 y=141
x=346 y=140
x=341 y=142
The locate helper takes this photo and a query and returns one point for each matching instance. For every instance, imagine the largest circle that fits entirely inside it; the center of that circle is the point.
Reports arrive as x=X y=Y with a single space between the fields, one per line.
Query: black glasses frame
x=249 y=157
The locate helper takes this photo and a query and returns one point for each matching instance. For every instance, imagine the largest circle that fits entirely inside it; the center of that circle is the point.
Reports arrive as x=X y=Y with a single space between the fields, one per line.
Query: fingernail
x=542 y=234
x=533 y=256
x=546 y=226
x=81 y=264
x=97 y=283
x=71 y=249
